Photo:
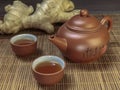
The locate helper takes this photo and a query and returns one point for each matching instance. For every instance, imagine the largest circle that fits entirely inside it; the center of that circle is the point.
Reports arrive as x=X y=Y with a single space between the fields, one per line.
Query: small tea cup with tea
x=24 y=44
x=48 y=69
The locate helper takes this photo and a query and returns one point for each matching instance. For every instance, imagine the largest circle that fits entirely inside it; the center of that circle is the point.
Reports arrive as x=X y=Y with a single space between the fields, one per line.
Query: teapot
x=83 y=38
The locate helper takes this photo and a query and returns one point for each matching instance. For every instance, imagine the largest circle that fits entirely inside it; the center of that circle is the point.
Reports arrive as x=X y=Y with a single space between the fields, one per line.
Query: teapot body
x=84 y=46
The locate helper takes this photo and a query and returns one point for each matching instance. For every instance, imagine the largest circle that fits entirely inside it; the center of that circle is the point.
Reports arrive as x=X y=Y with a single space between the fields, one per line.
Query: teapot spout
x=61 y=43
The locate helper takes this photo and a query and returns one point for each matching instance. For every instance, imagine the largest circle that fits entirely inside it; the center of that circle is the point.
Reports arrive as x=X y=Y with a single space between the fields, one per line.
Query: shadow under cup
x=24 y=44
x=48 y=78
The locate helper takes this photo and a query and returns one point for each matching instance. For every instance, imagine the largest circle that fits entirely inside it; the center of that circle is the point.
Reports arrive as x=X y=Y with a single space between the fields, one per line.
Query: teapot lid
x=83 y=22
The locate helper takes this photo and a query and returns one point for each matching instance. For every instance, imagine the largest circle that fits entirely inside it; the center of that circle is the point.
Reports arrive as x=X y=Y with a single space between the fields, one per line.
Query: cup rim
x=31 y=35
x=43 y=61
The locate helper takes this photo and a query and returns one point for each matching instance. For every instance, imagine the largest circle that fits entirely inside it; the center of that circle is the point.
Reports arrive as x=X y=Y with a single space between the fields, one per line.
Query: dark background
x=91 y=5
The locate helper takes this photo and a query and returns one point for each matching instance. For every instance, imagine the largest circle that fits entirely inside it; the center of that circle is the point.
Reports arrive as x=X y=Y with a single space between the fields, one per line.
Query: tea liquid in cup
x=48 y=67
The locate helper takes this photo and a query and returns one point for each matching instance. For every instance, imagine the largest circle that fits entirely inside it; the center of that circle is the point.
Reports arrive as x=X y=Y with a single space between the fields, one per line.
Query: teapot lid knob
x=84 y=12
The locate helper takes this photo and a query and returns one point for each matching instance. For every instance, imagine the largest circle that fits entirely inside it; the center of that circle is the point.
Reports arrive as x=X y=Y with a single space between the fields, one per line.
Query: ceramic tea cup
x=24 y=44
x=48 y=70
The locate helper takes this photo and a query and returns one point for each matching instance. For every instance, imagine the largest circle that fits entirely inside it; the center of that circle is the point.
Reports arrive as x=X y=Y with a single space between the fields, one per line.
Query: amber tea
x=48 y=67
x=23 y=42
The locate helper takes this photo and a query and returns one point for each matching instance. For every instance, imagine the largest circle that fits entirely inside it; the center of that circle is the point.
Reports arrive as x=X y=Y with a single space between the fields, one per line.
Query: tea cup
x=47 y=77
x=24 y=44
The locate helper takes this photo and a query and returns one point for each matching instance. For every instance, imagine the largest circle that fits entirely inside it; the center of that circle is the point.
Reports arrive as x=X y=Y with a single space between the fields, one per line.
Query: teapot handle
x=109 y=22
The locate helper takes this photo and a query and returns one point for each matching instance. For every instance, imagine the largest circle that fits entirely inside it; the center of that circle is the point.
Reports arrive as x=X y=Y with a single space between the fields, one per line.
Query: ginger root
x=19 y=16
x=13 y=19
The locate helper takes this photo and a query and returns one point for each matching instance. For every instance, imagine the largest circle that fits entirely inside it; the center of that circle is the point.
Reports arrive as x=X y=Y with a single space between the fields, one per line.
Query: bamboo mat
x=104 y=74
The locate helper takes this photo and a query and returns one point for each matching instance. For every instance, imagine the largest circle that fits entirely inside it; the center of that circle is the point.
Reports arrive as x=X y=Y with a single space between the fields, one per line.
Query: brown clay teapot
x=83 y=38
